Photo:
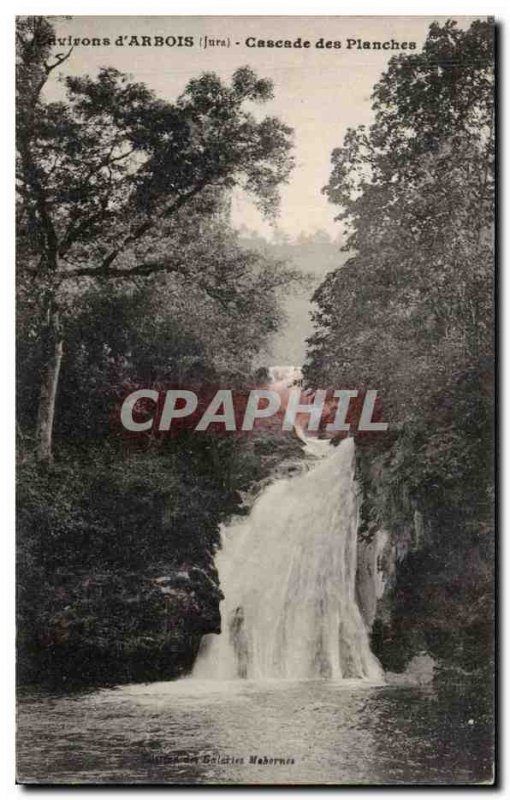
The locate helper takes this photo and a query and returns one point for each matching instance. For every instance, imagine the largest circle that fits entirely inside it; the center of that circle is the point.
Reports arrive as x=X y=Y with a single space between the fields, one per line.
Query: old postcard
x=255 y=300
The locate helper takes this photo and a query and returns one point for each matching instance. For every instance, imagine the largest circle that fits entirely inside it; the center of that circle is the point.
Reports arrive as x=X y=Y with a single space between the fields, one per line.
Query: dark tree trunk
x=49 y=385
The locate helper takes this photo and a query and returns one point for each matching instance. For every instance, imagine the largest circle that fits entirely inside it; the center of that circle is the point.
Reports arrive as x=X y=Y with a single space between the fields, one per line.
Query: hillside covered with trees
x=129 y=273
x=411 y=313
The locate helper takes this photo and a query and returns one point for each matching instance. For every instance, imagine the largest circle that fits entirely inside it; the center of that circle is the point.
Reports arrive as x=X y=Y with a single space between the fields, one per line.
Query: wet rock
x=419 y=672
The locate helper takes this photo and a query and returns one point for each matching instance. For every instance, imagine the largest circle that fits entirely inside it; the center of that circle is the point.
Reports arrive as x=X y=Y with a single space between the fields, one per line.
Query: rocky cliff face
x=375 y=572
x=424 y=574
x=383 y=549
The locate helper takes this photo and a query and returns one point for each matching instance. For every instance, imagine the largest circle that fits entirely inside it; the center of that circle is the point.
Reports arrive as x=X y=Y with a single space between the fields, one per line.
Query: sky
x=317 y=92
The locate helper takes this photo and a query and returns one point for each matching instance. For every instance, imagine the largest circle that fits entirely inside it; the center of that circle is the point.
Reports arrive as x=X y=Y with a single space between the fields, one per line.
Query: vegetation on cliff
x=411 y=314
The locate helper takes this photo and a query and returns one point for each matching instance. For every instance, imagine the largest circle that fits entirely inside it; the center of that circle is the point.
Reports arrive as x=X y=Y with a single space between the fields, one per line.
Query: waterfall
x=288 y=574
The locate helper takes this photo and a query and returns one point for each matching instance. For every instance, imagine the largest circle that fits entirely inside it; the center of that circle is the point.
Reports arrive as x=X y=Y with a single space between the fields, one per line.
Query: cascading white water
x=288 y=574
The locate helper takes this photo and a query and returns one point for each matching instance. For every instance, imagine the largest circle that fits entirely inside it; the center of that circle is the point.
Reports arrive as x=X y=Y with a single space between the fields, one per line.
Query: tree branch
x=146 y=268
x=75 y=230
x=142 y=229
x=61 y=57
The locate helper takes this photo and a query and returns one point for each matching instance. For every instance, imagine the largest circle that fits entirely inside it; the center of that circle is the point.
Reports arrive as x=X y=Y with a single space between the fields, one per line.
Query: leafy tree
x=106 y=179
x=416 y=197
